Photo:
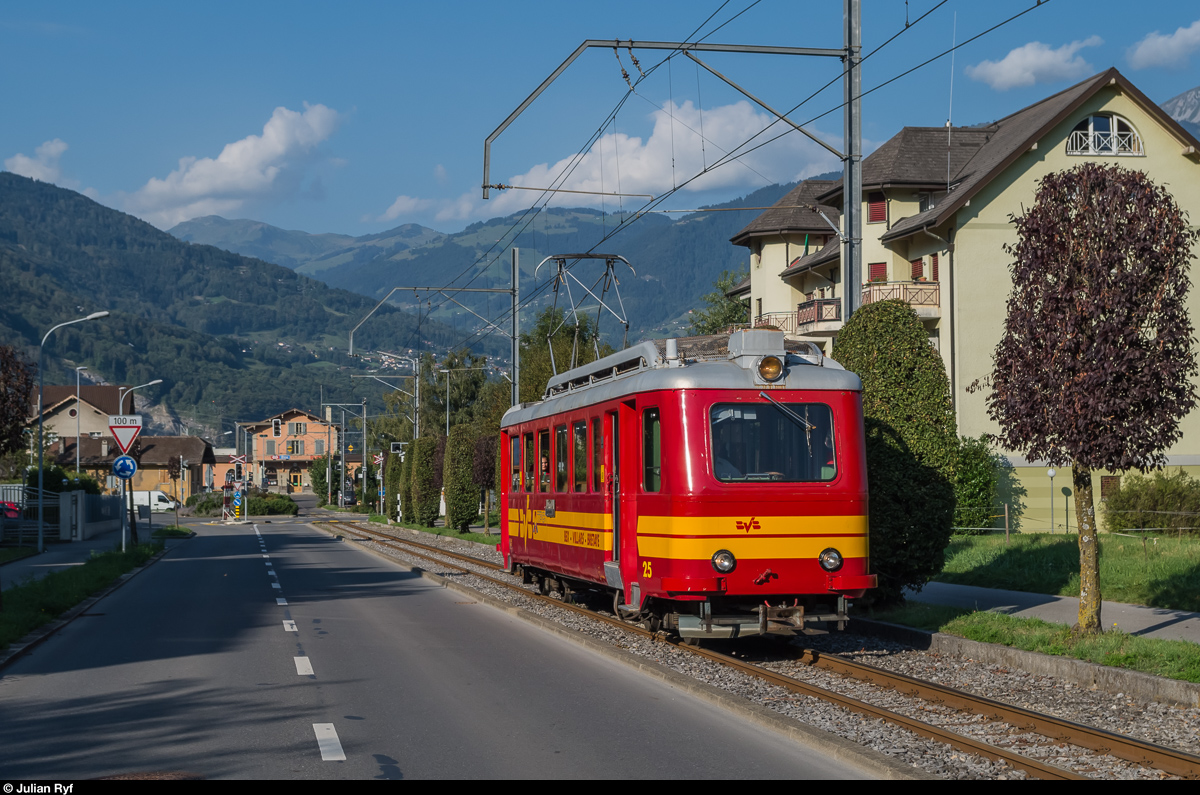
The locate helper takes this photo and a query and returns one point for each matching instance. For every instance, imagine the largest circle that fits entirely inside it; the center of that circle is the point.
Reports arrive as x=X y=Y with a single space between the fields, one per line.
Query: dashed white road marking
x=269 y=564
x=279 y=600
x=266 y=556
x=290 y=626
x=272 y=573
x=328 y=742
x=274 y=585
x=304 y=668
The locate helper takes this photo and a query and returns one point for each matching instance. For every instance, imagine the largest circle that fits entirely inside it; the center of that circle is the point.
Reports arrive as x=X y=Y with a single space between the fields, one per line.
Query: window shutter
x=319 y=446
x=933 y=265
x=876 y=208
x=270 y=447
x=918 y=268
x=300 y=444
x=877 y=271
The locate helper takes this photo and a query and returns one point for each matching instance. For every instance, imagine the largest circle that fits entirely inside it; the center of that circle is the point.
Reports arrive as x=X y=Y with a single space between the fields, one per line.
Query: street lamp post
x=78 y=370
x=1051 y=473
x=41 y=417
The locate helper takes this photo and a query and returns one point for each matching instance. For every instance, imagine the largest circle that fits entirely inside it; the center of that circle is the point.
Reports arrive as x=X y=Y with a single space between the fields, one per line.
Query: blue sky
x=360 y=116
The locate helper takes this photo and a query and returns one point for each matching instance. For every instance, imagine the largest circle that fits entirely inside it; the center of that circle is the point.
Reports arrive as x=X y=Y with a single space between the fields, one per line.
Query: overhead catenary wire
x=735 y=154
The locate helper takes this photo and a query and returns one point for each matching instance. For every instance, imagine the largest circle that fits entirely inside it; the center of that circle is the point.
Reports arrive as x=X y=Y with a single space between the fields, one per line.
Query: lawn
x=1175 y=659
x=1155 y=571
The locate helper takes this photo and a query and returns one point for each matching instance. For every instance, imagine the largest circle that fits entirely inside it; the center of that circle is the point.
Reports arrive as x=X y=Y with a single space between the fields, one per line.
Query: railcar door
x=614 y=469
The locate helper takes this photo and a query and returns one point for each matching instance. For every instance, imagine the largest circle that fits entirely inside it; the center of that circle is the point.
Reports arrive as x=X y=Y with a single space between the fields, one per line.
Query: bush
x=975 y=486
x=54 y=475
x=911 y=444
x=462 y=495
x=1159 y=502
x=426 y=488
x=267 y=504
x=408 y=512
x=391 y=484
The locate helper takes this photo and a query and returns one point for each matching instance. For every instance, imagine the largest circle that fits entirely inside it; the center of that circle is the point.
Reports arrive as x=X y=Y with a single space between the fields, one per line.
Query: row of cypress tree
x=463 y=465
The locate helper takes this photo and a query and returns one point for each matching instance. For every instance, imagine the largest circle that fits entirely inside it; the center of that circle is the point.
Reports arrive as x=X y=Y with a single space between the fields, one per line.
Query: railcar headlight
x=770 y=368
x=830 y=559
x=724 y=561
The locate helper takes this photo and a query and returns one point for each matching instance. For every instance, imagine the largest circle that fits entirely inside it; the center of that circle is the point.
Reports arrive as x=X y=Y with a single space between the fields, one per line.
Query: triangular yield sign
x=125 y=434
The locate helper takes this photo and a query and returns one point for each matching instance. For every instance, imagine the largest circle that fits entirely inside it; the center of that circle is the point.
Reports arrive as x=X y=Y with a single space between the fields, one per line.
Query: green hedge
x=1161 y=501
x=426 y=485
x=911 y=444
x=271 y=505
x=462 y=495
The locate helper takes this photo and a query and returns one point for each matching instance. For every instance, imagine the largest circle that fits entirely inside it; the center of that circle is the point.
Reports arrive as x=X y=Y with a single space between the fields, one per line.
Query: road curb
x=1091 y=675
x=839 y=748
x=39 y=636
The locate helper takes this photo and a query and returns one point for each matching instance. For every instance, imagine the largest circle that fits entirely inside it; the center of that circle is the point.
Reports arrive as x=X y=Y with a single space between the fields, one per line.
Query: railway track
x=1057 y=730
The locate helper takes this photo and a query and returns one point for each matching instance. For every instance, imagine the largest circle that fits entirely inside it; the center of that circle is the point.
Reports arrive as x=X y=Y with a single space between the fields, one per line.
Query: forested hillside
x=229 y=336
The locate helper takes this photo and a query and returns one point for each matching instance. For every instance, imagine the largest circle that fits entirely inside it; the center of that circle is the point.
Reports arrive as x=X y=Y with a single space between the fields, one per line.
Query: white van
x=157 y=500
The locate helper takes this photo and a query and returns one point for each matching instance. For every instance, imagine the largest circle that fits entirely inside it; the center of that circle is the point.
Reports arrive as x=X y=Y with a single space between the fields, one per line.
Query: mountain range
x=676 y=260
x=1185 y=109
x=230 y=336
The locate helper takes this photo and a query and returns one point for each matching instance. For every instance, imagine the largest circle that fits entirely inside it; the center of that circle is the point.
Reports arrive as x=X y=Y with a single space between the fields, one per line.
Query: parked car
x=10 y=510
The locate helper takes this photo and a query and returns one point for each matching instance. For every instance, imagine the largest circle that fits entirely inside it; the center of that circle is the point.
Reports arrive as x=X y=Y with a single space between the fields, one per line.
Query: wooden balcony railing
x=819 y=310
x=911 y=293
x=784 y=321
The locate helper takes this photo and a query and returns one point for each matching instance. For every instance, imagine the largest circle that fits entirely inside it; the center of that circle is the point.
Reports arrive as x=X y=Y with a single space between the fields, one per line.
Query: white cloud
x=439 y=173
x=672 y=154
x=404 y=205
x=1035 y=63
x=270 y=166
x=44 y=165
x=1170 y=51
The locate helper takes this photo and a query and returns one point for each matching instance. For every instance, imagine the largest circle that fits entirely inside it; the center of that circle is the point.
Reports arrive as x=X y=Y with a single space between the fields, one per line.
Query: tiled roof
x=831 y=252
x=1005 y=141
x=102 y=397
x=919 y=155
x=155 y=450
x=281 y=416
x=741 y=288
x=792 y=213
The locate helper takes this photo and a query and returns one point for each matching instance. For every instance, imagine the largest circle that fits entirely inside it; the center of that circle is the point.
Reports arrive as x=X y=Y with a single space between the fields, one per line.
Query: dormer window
x=1105 y=134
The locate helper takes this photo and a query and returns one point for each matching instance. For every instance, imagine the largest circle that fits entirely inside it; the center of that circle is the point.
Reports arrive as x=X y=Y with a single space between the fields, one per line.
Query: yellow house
x=937 y=203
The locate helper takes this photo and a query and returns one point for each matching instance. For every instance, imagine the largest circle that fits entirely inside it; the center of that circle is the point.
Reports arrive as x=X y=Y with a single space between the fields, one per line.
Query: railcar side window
x=579 y=475
x=514 y=463
x=529 y=459
x=597 y=445
x=543 y=460
x=756 y=442
x=560 y=458
x=651 y=450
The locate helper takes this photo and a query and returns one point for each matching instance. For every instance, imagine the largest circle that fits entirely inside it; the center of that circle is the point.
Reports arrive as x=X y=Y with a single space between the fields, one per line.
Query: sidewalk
x=58 y=557
x=1150 y=622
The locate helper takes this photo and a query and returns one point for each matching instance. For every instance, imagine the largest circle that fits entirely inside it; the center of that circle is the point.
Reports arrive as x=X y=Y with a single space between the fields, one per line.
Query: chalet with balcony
x=793 y=283
x=937 y=207
x=283 y=447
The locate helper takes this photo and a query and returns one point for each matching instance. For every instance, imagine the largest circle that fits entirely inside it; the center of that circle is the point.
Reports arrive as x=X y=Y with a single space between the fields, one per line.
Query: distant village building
x=936 y=209
x=284 y=446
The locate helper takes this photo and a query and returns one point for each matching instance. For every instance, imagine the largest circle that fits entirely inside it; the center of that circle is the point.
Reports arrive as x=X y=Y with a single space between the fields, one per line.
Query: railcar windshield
x=756 y=442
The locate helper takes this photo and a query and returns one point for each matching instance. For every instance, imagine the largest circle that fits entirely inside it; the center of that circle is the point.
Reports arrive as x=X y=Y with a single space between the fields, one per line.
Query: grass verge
x=16 y=553
x=27 y=607
x=1156 y=571
x=450 y=532
x=1174 y=659
x=172 y=531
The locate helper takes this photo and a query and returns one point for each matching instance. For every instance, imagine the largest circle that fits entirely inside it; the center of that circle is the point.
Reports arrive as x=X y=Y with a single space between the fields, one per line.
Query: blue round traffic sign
x=124 y=467
x=237 y=499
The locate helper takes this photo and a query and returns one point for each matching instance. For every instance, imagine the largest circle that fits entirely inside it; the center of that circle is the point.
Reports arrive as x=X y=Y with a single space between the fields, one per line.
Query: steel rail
x=1038 y=769
x=1158 y=757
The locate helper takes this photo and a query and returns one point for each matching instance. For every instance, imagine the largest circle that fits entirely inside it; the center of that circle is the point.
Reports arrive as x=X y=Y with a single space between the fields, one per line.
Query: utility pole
x=852 y=164
x=516 y=327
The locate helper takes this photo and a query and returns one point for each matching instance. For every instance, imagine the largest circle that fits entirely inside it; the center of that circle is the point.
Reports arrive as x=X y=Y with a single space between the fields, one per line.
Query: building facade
x=937 y=209
x=284 y=446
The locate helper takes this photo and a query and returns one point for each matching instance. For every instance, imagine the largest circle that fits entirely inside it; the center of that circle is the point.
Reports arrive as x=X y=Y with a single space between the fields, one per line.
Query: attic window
x=1105 y=134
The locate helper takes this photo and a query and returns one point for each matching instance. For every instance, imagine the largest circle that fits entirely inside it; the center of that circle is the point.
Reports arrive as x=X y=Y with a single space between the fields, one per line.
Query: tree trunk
x=1089 y=553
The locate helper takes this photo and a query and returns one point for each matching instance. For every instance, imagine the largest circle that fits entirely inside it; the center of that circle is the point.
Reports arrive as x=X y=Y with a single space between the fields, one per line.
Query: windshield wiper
x=793 y=416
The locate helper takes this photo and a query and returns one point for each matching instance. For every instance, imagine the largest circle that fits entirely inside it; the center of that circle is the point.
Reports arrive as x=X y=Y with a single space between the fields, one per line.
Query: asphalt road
x=199 y=664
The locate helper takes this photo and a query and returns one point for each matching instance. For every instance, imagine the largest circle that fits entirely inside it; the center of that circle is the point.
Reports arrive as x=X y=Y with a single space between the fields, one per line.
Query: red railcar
x=714 y=485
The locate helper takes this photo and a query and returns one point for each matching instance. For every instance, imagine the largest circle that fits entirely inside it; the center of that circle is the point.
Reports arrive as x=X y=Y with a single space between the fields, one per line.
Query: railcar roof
x=713 y=362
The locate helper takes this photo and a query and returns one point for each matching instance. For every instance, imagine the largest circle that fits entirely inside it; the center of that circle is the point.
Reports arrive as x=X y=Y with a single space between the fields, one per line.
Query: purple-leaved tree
x=1095 y=366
